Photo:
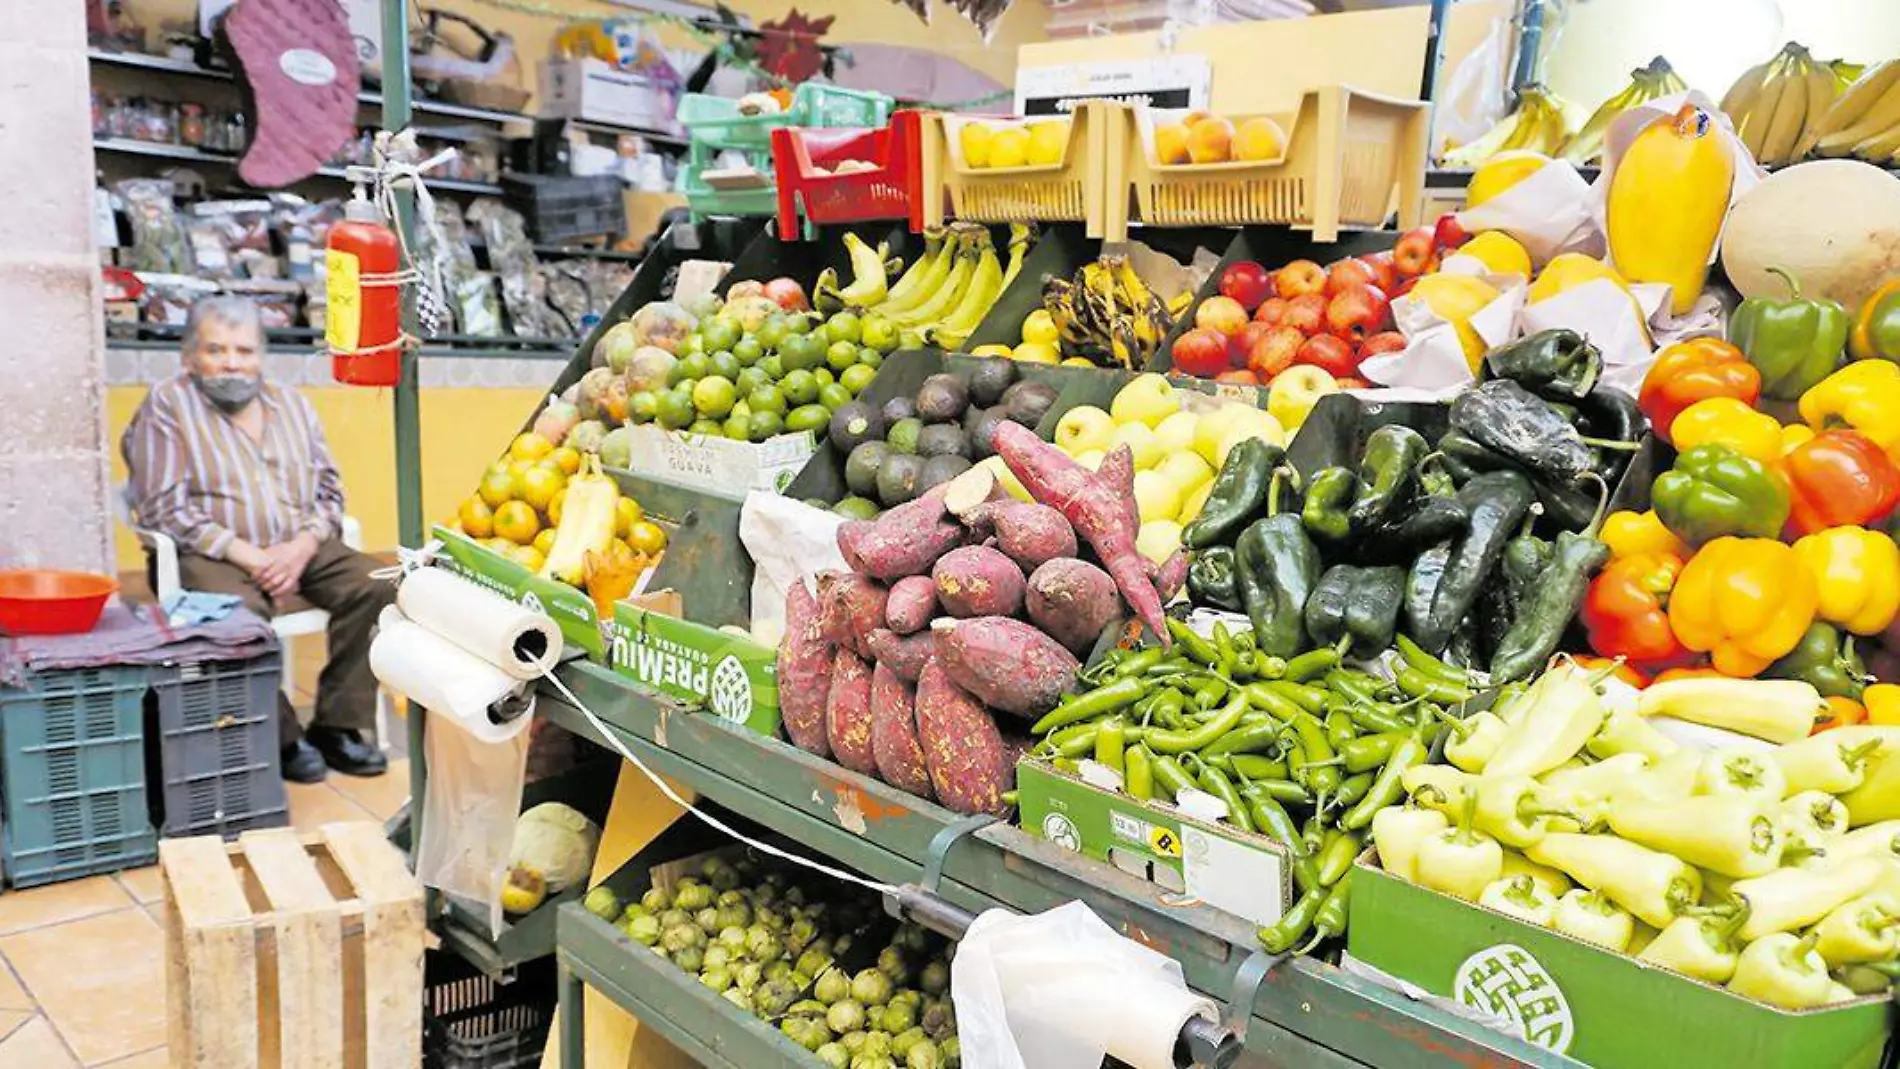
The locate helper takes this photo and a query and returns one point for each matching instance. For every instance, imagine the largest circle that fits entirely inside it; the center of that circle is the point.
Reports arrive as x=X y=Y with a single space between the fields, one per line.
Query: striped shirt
x=197 y=477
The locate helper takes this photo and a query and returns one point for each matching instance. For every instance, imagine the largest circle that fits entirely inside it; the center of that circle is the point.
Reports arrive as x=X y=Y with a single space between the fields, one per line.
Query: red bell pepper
x=1626 y=610
x=1840 y=478
x=1691 y=371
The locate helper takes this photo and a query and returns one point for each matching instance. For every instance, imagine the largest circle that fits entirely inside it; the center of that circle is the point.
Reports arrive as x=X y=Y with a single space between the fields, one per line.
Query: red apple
x=1329 y=354
x=1356 y=312
x=787 y=294
x=1348 y=272
x=1271 y=311
x=1413 y=252
x=1246 y=282
x=1223 y=314
x=1404 y=287
x=1201 y=351
x=1353 y=382
x=1386 y=341
x=1448 y=234
x=1275 y=352
x=1384 y=275
x=1306 y=313
x=1241 y=344
x=1239 y=376
x=1299 y=278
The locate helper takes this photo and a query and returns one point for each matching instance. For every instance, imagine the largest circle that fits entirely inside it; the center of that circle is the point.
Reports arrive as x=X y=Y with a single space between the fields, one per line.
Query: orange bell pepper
x=1840 y=478
x=1691 y=371
x=1631 y=534
x=1841 y=712
x=1620 y=670
x=1700 y=671
x=1729 y=422
x=1744 y=601
x=1883 y=704
x=1625 y=611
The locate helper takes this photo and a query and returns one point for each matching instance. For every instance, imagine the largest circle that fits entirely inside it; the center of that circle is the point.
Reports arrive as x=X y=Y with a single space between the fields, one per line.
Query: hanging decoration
x=984 y=13
x=789 y=50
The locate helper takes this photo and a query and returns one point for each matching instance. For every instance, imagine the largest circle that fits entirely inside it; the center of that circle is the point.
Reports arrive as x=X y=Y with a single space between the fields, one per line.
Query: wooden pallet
x=300 y=951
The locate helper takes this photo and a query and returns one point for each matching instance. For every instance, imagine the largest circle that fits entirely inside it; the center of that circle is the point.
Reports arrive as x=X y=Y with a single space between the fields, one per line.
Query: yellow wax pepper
x=1857 y=575
x=1864 y=395
x=1731 y=422
x=1883 y=704
x=1745 y=601
x=1631 y=534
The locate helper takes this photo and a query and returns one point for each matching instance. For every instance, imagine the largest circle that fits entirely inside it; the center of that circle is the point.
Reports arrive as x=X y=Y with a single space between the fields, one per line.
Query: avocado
x=941 y=469
x=899 y=408
x=942 y=440
x=860 y=468
x=1028 y=402
x=985 y=430
x=903 y=434
x=989 y=378
x=853 y=424
x=942 y=398
x=897 y=478
x=857 y=508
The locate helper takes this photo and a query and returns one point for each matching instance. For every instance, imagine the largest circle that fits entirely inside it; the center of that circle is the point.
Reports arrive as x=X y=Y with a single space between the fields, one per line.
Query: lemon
x=529 y=446
x=497 y=488
x=1047 y=142
x=1500 y=173
x=477 y=518
x=1003 y=351
x=539 y=485
x=1032 y=352
x=1009 y=147
x=975 y=141
x=1500 y=253
x=517 y=522
x=1041 y=327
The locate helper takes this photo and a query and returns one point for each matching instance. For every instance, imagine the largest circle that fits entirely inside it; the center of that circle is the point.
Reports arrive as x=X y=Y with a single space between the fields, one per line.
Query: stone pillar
x=54 y=509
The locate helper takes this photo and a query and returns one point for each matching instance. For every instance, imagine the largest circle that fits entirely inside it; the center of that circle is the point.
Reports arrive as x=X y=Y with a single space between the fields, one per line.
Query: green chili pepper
x=1266 y=665
x=1216 y=783
x=1191 y=643
x=1140 y=661
x=1209 y=693
x=1336 y=859
x=1315 y=832
x=1370 y=751
x=1374 y=717
x=1138 y=773
x=1416 y=658
x=1272 y=820
x=1322 y=770
x=1263 y=697
x=1333 y=914
x=1351 y=789
x=1387 y=789
x=1247 y=738
x=1353 y=687
x=1339 y=729
x=1311 y=665
x=1169 y=666
x=1075 y=741
x=1311 y=699
x=1419 y=685
x=1169 y=775
x=1109 y=742
x=1105 y=698
x=1254 y=767
x=1175 y=742
x=1224 y=649
x=1167 y=709
x=1280 y=790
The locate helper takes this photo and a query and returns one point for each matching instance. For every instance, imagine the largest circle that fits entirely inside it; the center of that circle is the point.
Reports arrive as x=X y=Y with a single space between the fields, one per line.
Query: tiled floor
x=82 y=979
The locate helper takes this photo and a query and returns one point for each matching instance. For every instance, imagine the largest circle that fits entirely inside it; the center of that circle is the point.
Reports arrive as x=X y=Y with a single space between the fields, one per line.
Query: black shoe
x=302 y=763
x=345 y=751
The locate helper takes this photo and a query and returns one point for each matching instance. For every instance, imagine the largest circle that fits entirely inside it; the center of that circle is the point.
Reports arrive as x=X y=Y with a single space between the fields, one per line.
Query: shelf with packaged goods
x=658 y=137
x=1306 y=1012
x=467 y=346
x=188 y=154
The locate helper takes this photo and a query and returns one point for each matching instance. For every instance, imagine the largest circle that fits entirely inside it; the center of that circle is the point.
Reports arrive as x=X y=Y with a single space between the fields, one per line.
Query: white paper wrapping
x=789 y=541
x=1548 y=213
x=512 y=638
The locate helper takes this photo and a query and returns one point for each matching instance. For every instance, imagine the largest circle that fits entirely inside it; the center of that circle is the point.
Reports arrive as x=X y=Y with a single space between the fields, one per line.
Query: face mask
x=229 y=392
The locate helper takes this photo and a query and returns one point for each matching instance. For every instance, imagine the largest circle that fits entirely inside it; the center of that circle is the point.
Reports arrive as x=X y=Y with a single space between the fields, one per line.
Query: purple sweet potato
x=849 y=608
x=912 y=602
x=978 y=581
x=1029 y=534
x=963 y=751
x=1171 y=574
x=1073 y=601
x=1006 y=663
x=804 y=673
x=848 y=713
x=900 y=757
x=903 y=654
x=907 y=540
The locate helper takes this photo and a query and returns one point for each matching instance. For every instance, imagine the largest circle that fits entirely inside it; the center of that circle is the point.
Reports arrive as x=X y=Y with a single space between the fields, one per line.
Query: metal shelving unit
x=188 y=154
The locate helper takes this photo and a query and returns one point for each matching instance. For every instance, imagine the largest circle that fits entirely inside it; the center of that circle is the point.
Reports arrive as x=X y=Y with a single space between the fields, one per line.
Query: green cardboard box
x=1591 y=1004
x=729 y=675
x=571 y=609
x=1239 y=872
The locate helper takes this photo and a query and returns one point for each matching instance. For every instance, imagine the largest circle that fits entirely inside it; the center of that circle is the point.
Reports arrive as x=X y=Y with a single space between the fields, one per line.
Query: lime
x=870 y=358
x=713 y=396
x=764 y=425
x=798 y=324
x=902 y=435
x=751 y=378
x=824 y=376
x=844 y=327
x=710 y=427
x=766 y=399
x=734 y=428
x=740 y=408
x=750 y=350
x=642 y=406
x=677 y=373
x=770 y=333
x=841 y=355
x=696 y=366
x=877 y=332
x=773 y=366
x=807 y=418
x=857 y=377
x=802 y=351
x=799 y=387
x=857 y=508
x=720 y=332
x=673 y=409
x=726 y=365
x=834 y=396
x=694 y=343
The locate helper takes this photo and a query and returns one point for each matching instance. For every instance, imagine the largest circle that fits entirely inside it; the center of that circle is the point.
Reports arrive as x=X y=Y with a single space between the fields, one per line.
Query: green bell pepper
x=1794 y=341
x=1876 y=333
x=1556 y=364
x=1713 y=491
x=1211 y=580
x=1827 y=661
x=1329 y=498
x=1276 y=568
x=1360 y=604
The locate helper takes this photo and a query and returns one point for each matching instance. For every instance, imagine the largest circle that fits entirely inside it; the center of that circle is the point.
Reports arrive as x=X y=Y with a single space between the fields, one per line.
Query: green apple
x=1191 y=507
x=1006 y=478
x=1213 y=427
x=1157 y=540
x=1186 y=470
x=1177 y=432
x=1141 y=441
x=1090 y=458
x=1083 y=428
x=1147 y=399
x=1155 y=497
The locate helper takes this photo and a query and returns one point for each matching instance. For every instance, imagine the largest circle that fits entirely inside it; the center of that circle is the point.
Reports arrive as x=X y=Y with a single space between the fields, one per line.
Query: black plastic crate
x=216 y=752
x=560 y=208
x=470 y=1021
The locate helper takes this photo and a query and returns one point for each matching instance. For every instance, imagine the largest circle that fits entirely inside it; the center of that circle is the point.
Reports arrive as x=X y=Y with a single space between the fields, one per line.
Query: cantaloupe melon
x=1833 y=224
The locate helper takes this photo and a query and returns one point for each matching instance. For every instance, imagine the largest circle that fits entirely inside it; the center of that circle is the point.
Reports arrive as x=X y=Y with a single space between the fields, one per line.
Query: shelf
x=185 y=153
x=582 y=252
x=1306 y=1012
x=614 y=129
x=462 y=345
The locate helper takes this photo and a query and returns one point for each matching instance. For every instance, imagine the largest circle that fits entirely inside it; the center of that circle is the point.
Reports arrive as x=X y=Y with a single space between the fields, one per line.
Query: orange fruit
x=554 y=506
x=567 y=458
x=497 y=488
x=1171 y=143
x=538 y=486
x=544 y=542
x=1259 y=138
x=529 y=557
x=529 y=446
x=646 y=537
x=627 y=512
x=1211 y=141
x=476 y=518
x=517 y=522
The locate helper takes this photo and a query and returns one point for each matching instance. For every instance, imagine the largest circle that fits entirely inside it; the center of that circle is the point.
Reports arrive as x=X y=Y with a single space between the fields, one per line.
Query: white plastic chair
x=288 y=626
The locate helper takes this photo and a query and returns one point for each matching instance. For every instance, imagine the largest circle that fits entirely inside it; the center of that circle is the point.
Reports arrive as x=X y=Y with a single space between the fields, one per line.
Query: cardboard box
x=1242 y=873
x=720 y=466
x=595 y=91
x=730 y=675
x=570 y=608
x=644 y=211
x=1580 y=1000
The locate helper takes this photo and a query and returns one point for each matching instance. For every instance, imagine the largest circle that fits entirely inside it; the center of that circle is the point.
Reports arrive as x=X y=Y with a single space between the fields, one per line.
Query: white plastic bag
x=788 y=541
x=1059 y=990
x=1477 y=96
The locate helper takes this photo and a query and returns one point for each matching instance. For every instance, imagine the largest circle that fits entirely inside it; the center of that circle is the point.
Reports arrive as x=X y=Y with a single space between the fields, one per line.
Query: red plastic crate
x=891 y=191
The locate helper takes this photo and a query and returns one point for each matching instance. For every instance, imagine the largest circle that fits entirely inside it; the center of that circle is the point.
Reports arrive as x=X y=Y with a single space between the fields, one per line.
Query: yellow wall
x=462 y=430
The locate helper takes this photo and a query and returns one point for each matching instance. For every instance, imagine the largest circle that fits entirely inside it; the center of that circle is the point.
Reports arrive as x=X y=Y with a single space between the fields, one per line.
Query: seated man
x=237 y=472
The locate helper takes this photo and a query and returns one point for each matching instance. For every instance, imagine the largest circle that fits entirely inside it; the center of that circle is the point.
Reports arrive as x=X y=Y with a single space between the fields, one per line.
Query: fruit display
x=1106 y=314
x=1262 y=324
x=1647 y=83
x=783 y=951
x=987 y=145
x=1196 y=139
x=1536 y=125
x=1794 y=106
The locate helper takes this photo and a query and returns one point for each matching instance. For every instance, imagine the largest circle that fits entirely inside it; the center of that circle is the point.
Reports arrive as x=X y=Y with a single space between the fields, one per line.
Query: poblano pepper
x=1498 y=501
x=1329 y=498
x=1794 y=341
x=1277 y=566
x=1431 y=519
x=1549 y=598
x=1211 y=579
x=1360 y=604
x=1556 y=364
x=1827 y=661
x=1519 y=427
x=1387 y=473
x=1714 y=491
x=1239 y=491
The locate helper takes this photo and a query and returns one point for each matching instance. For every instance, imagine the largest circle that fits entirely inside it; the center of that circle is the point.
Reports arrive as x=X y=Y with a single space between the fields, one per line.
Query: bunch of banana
x=870 y=278
x=1107 y=314
x=990 y=280
x=1654 y=81
x=1778 y=107
x=1845 y=73
x=1864 y=121
x=945 y=293
x=1538 y=125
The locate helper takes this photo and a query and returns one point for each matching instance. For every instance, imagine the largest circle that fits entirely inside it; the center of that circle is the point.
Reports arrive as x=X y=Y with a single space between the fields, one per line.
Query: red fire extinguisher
x=363 y=323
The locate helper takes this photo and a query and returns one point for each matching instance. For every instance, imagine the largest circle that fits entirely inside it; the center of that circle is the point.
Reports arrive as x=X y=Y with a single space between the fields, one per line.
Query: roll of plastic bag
x=513 y=638
x=483 y=700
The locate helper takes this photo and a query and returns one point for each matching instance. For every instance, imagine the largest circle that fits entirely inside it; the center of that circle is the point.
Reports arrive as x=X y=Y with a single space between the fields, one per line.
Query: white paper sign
x=1172 y=81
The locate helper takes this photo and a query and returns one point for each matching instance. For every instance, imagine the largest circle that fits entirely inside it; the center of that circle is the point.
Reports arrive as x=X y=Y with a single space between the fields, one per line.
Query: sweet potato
x=907 y=540
x=1099 y=504
x=848 y=713
x=1171 y=574
x=850 y=532
x=900 y=757
x=1028 y=533
x=804 y=673
x=963 y=751
x=978 y=581
x=1006 y=663
x=911 y=604
x=1073 y=601
x=849 y=608
x=903 y=654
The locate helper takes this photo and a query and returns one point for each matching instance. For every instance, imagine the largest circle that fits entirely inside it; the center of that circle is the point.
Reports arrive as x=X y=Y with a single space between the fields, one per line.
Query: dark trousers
x=338 y=582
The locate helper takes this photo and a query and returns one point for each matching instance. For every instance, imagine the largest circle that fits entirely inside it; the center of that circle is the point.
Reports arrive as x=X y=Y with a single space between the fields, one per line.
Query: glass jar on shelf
x=191 y=125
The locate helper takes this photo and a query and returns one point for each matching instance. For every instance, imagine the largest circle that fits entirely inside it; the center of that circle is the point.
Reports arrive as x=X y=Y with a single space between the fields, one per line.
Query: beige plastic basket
x=1351 y=158
x=1072 y=190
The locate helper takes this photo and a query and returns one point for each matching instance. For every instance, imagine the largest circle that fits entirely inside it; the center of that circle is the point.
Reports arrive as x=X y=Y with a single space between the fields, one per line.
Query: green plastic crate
x=72 y=775
x=704 y=201
x=715 y=122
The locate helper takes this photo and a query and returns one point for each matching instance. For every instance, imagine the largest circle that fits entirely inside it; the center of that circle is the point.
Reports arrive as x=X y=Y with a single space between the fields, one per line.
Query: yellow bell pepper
x=1857 y=576
x=1883 y=704
x=1731 y=422
x=1794 y=436
x=1746 y=601
x=1635 y=534
x=1864 y=395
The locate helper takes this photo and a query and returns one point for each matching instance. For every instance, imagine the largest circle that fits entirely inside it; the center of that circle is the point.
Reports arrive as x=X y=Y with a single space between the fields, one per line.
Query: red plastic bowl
x=52 y=603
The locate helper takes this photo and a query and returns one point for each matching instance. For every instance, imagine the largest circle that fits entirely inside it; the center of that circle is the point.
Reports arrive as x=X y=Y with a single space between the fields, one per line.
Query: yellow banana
x=1821 y=92
x=941 y=302
x=587 y=523
x=1854 y=101
x=1754 y=131
x=1877 y=119
x=1666 y=203
x=929 y=282
x=1742 y=95
x=1879 y=148
x=869 y=285
x=977 y=297
x=913 y=278
x=1657 y=79
x=1845 y=73
x=1021 y=236
x=1791 y=110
